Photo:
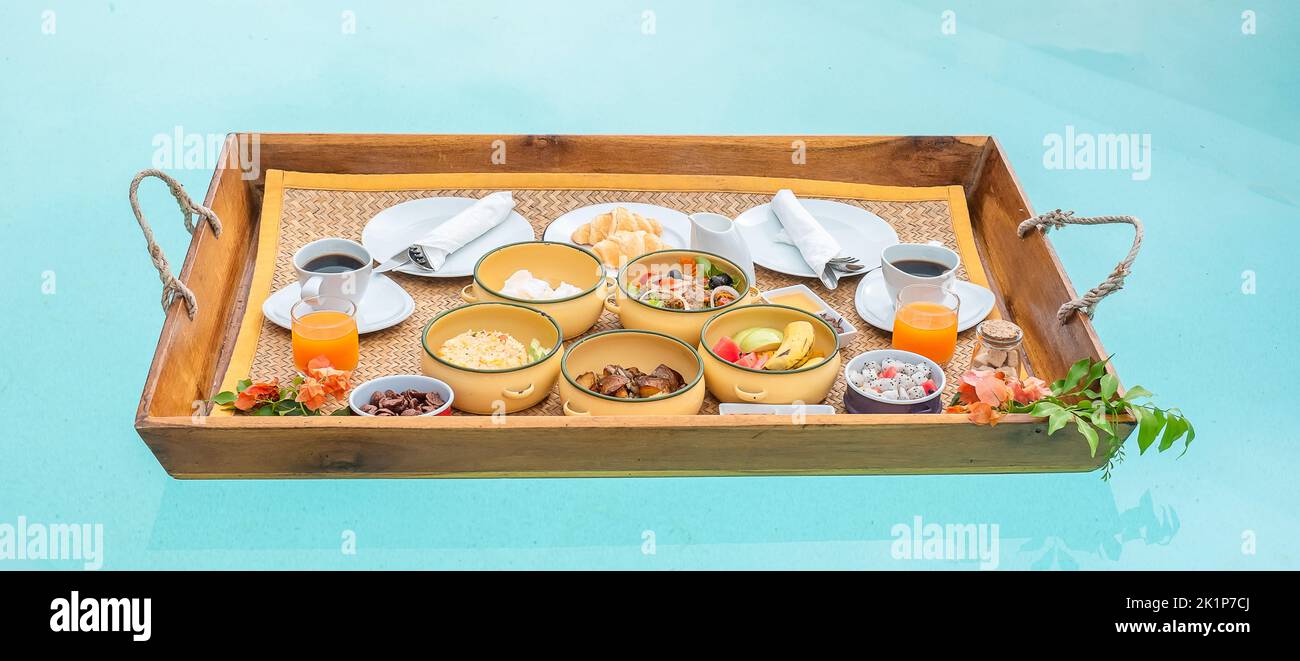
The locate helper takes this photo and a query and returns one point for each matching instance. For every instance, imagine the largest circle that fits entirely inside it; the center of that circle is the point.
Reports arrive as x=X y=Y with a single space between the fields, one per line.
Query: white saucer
x=875 y=307
x=860 y=233
x=386 y=304
x=381 y=233
x=677 y=226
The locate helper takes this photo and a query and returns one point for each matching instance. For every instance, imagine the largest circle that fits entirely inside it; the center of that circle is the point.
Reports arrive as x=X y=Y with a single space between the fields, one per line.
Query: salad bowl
x=667 y=292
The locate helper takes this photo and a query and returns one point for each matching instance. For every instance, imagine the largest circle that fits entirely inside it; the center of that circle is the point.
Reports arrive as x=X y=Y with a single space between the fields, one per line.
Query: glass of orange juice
x=925 y=321
x=325 y=326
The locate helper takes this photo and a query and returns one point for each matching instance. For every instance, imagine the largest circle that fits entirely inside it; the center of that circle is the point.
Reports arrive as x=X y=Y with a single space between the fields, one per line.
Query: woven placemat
x=308 y=214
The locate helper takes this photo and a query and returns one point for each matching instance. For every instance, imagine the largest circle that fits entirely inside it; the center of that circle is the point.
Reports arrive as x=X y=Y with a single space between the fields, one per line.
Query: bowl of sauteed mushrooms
x=631 y=372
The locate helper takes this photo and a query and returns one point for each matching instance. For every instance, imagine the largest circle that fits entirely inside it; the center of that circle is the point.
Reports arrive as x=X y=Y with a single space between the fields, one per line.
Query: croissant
x=618 y=220
x=623 y=246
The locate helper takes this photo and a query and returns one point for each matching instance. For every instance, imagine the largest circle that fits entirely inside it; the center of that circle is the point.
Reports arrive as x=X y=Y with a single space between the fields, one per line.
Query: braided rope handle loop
x=1087 y=303
x=172 y=286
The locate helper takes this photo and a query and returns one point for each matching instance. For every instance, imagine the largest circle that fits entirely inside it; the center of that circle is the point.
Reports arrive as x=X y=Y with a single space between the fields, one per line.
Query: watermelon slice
x=929 y=386
x=727 y=350
x=749 y=360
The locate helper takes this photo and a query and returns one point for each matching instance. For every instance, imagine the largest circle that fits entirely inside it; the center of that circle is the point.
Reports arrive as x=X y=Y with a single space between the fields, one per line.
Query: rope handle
x=1113 y=283
x=172 y=286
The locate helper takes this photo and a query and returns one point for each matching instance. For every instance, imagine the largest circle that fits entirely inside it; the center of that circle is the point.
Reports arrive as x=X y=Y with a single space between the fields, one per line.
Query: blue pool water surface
x=1207 y=321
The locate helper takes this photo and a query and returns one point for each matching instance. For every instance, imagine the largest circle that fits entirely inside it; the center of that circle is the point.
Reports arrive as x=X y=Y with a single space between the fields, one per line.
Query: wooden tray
x=192 y=354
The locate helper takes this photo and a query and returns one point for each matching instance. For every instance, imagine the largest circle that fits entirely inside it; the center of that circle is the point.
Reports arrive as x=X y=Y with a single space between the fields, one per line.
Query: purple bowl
x=857 y=401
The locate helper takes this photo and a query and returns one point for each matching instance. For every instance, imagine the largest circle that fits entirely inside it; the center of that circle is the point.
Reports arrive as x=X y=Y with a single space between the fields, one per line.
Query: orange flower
x=257 y=393
x=985 y=386
x=335 y=382
x=319 y=362
x=311 y=394
x=1030 y=390
x=981 y=413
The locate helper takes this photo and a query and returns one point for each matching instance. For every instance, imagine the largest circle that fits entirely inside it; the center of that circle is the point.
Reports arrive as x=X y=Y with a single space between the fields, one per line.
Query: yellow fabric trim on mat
x=250 y=328
x=594 y=181
x=277 y=181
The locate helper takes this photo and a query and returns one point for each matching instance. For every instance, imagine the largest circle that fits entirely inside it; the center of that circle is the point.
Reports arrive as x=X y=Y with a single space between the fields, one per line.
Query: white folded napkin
x=815 y=244
x=464 y=227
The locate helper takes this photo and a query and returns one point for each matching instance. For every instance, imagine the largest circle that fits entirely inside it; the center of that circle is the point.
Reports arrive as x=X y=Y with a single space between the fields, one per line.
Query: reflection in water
x=1142 y=522
x=790 y=521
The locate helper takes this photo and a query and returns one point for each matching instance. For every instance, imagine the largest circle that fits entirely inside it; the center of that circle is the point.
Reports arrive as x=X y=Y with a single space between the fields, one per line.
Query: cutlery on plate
x=412 y=255
x=829 y=277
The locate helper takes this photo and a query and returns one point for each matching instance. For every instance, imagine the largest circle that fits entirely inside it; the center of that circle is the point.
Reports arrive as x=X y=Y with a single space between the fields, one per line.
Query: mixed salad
x=693 y=283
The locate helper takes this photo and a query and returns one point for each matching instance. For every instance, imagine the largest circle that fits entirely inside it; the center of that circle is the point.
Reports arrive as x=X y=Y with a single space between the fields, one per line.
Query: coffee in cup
x=333 y=267
x=906 y=264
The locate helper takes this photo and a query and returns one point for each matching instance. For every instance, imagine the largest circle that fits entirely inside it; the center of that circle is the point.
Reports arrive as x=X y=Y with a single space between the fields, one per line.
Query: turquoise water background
x=80 y=108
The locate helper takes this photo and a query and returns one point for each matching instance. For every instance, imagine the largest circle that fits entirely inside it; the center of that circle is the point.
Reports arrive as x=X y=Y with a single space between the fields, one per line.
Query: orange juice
x=929 y=329
x=326 y=333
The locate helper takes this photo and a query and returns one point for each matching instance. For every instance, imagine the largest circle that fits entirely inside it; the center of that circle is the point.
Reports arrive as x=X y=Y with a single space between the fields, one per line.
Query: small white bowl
x=830 y=314
x=360 y=395
x=861 y=400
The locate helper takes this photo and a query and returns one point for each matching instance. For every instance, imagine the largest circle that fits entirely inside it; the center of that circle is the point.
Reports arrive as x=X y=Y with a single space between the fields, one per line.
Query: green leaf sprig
x=1088 y=398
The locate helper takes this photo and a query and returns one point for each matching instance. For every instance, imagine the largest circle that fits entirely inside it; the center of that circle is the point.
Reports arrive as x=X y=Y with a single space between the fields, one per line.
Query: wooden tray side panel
x=892 y=161
x=1026 y=274
x=343 y=447
x=215 y=269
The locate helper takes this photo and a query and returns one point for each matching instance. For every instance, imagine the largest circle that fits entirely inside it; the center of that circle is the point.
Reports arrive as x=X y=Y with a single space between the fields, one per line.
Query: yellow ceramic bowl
x=684 y=325
x=732 y=383
x=554 y=263
x=643 y=350
x=495 y=391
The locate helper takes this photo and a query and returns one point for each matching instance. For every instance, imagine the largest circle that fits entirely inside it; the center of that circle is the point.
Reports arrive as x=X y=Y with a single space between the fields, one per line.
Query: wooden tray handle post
x=1115 y=282
x=172 y=286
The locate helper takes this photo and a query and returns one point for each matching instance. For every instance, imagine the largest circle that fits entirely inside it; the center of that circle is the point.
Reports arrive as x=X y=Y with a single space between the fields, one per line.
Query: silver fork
x=414 y=255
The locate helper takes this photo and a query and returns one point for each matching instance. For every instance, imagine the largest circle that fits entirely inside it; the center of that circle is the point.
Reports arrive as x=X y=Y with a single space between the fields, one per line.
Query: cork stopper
x=1000 y=331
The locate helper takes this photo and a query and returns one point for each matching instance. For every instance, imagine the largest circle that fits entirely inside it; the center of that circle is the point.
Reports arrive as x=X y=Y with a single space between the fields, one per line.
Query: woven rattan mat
x=307 y=215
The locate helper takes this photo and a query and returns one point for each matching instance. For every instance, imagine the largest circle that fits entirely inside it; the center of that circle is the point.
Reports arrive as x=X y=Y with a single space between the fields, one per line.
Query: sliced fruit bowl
x=801 y=367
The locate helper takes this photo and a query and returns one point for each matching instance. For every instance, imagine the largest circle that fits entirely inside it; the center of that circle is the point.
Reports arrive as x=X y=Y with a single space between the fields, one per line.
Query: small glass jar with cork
x=997 y=347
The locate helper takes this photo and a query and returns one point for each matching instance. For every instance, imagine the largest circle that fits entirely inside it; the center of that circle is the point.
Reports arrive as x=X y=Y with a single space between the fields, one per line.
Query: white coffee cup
x=896 y=278
x=350 y=284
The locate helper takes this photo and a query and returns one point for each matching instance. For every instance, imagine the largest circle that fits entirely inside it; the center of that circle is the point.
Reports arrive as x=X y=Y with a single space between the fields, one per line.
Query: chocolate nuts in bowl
x=401 y=395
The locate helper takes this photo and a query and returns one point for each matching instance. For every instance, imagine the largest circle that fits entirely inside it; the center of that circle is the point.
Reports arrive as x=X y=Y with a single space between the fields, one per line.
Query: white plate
x=677 y=227
x=386 y=304
x=382 y=233
x=860 y=233
x=876 y=308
